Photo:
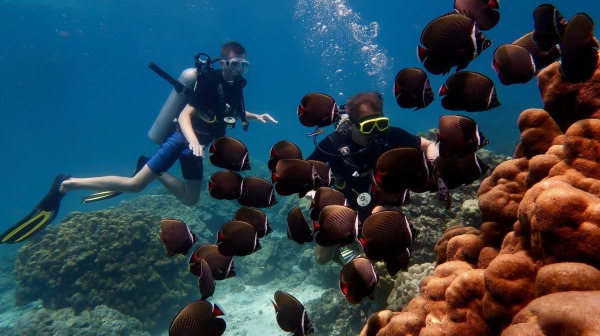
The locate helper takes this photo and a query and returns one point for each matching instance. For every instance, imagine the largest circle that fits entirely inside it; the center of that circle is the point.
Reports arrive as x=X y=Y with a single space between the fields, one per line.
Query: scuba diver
x=352 y=151
x=203 y=104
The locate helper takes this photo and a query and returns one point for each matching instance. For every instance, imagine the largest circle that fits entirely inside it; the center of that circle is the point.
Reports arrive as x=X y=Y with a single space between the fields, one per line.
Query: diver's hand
x=266 y=117
x=197 y=149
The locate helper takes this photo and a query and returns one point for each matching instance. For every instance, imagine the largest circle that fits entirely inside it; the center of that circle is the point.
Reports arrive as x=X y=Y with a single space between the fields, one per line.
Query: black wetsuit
x=353 y=172
x=214 y=98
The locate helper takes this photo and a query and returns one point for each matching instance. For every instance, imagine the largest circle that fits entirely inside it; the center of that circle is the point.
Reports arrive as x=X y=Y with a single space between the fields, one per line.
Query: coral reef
x=567 y=103
x=333 y=315
x=564 y=313
x=280 y=258
x=100 y=321
x=531 y=267
x=406 y=285
x=110 y=257
x=427 y=213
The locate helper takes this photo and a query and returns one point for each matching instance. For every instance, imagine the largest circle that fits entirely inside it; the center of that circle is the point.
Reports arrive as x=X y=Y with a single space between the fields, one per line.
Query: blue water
x=77 y=97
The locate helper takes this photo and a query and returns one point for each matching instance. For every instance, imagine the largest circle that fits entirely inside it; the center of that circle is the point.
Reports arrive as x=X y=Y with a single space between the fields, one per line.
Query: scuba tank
x=165 y=121
x=183 y=88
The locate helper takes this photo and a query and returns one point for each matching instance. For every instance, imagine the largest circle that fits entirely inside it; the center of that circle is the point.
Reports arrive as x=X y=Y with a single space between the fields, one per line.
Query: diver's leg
x=132 y=184
x=324 y=254
x=186 y=191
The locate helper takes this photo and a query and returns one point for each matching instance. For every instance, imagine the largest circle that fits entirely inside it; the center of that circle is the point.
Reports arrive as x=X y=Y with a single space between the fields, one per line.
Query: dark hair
x=364 y=104
x=232 y=47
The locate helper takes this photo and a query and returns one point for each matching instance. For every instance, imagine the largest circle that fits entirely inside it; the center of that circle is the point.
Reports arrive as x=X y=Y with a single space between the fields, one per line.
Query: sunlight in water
x=335 y=33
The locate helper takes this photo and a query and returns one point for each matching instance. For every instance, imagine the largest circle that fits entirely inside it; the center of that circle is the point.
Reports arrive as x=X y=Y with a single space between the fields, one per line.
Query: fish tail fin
x=421 y=53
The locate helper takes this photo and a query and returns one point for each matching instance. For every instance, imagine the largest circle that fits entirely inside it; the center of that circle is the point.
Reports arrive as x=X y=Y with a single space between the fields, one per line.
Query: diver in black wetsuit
x=353 y=149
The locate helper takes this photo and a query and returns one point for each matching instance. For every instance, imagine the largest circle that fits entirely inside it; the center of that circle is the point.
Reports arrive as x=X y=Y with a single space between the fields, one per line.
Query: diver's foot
x=65 y=185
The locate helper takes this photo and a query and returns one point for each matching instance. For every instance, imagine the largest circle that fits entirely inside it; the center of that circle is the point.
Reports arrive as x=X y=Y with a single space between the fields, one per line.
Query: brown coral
x=540 y=231
x=561 y=223
x=510 y=285
x=539 y=168
x=581 y=150
x=376 y=322
x=434 y=288
x=564 y=277
x=399 y=324
x=499 y=197
x=463 y=302
x=538 y=131
x=441 y=247
x=465 y=247
x=566 y=102
x=567 y=313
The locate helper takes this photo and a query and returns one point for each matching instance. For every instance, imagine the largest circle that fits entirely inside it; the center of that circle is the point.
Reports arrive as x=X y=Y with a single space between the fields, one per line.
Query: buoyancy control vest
x=217 y=103
x=352 y=165
x=185 y=91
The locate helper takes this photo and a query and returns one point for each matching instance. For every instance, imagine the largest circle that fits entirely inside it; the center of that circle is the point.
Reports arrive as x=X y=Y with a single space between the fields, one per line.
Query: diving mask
x=368 y=124
x=238 y=64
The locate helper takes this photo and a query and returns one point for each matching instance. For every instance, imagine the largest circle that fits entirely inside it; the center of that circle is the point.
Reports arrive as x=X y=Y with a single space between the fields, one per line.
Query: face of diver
x=234 y=66
x=369 y=128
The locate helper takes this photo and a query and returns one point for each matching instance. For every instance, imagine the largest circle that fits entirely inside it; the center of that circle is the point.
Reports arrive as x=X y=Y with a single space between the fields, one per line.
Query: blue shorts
x=176 y=147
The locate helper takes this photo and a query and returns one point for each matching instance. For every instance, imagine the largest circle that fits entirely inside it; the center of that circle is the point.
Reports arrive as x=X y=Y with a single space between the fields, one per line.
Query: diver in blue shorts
x=204 y=103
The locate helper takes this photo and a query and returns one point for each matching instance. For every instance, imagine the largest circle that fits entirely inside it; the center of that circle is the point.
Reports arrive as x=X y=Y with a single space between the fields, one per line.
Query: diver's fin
x=42 y=215
x=102 y=195
x=99 y=196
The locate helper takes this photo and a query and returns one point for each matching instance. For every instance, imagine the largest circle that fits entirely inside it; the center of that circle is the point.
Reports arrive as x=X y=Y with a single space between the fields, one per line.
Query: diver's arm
x=261 y=117
x=185 y=122
x=430 y=148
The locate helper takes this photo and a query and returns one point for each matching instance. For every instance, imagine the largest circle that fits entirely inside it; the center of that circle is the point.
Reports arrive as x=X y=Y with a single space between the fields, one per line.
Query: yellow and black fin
x=40 y=217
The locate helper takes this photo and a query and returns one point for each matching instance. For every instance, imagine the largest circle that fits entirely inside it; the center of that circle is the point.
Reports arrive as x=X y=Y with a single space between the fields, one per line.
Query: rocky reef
x=101 y=321
x=531 y=266
x=110 y=257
